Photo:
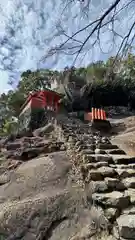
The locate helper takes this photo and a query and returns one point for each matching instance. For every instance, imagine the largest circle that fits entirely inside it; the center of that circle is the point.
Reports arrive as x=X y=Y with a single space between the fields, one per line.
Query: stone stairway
x=108 y=173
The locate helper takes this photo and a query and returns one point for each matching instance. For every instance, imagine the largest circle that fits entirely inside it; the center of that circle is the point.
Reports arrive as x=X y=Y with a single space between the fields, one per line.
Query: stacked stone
x=108 y=173
x=27 y=148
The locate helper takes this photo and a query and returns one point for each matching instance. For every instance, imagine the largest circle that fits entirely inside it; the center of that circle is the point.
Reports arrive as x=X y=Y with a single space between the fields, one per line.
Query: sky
x=28 y=27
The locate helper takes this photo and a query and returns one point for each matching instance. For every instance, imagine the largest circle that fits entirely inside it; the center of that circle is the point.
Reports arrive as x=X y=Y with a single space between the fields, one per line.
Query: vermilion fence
x=95 y=114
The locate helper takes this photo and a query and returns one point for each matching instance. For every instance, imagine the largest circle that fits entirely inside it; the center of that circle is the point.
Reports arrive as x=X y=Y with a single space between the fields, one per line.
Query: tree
x=9 y=127
x=96 y=71
x=78 y=29
x=121 y=77
x=31 y=81
x=108 y=20
x=15 y=100
x=127 y=71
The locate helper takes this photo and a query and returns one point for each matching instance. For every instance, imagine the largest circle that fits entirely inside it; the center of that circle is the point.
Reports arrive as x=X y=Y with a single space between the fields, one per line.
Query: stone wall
x=105 y=172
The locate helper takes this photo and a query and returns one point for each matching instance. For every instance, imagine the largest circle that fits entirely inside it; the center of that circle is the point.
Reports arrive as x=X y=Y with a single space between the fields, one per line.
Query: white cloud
x=27 y=28
x=4 y=87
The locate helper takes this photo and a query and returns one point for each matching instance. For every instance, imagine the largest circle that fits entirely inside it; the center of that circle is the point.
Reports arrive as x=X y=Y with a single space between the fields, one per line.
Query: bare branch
x=98 y=25
x=91 y=33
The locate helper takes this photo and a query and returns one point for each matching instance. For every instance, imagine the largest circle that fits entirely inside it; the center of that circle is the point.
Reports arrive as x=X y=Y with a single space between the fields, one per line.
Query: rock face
x=66 y=183
x=38 y=201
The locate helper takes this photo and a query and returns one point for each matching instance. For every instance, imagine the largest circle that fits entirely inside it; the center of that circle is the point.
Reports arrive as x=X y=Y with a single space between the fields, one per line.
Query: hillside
x=65 y=181
x=109 y=83
x=69 y=184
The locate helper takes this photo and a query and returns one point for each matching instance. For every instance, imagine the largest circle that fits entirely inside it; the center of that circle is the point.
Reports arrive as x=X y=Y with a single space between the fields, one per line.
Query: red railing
x=99 y=114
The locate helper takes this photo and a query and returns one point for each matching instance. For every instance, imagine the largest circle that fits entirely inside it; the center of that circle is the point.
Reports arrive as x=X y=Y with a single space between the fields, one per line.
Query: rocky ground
x=70 y=183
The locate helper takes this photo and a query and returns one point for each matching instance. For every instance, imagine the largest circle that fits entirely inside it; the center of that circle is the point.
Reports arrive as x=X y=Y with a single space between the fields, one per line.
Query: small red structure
x=39 y=108
x=43 y=99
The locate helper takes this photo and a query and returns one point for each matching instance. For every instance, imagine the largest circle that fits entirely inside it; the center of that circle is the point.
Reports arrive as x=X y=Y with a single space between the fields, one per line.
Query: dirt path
x=125 y=138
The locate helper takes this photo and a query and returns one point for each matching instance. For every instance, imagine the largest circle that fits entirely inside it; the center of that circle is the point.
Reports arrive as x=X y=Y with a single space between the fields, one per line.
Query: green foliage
x=96 y=71
x=15 y=101
x=9 y=127
x=35 y=80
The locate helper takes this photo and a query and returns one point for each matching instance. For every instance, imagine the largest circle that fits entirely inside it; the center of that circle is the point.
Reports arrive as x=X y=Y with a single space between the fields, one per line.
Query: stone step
x=107 y=172
x=115 y=151
x=105 y=146
x=114 y=184
x=122 y=166
x=114 y=199
x=131 y=193
x=101 y=173
x=98 y=186
x=129 y=210
x=100 y=151
x=90 y=166
x=98 y=158
x=129 y=182
x=124 y=173
x=106 y=186
x=86 y=152
x=94 y=175
x=125 y=228
x=122 y=159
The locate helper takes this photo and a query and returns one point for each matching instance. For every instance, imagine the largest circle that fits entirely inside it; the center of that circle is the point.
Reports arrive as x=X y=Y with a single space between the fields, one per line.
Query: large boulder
x=40 y=201
x=47 y=129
